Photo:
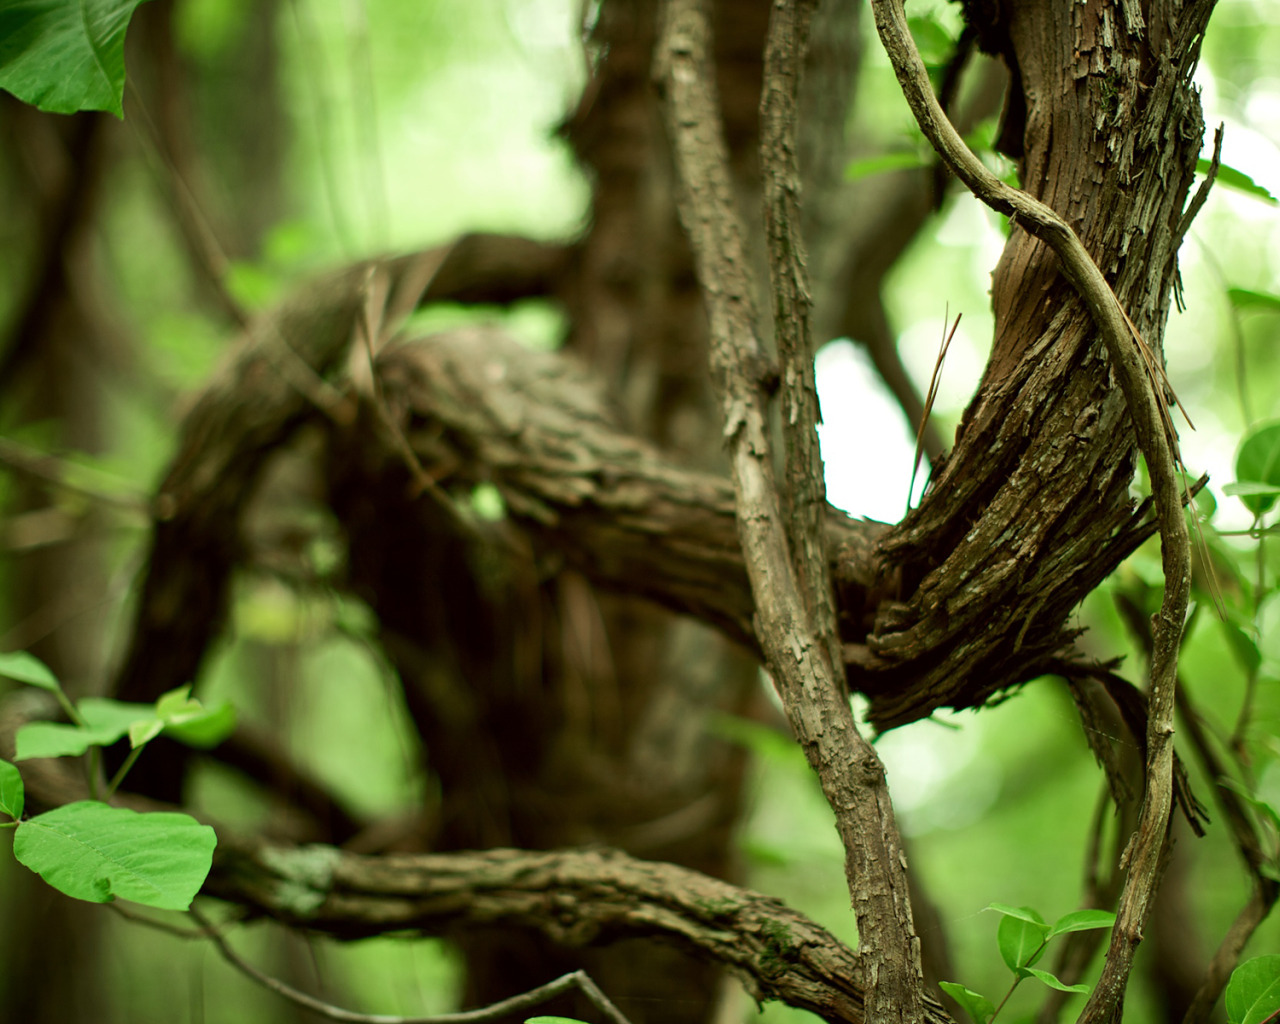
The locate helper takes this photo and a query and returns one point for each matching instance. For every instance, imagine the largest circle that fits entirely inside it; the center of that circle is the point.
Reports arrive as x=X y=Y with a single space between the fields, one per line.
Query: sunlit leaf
x=11 y=791
x=1258 y=462
x=1253 y=993
x=65 y=55
x=1243 y=298
x=1053 y=982
x=206 y=729
x=1021 y=941
x=932 y=40
x=27 y=668
x=976 y=1005
x=554 y=1020
x=1021 y=913
x=868 y=166
x=144 y=731
x=1230 y=177
x=94 y=852
x=1082 y=921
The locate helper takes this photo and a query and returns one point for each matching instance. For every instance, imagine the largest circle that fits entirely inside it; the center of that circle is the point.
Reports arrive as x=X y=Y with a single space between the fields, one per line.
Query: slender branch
x=795 y=650
x=1154 y=434
x=522 y=1003
x=1247 y=840
x=792 y=306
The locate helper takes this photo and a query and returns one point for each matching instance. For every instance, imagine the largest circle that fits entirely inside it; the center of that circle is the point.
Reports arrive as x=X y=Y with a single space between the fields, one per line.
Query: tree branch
x=573 y=897
x=1150 y=422
x=800 y=661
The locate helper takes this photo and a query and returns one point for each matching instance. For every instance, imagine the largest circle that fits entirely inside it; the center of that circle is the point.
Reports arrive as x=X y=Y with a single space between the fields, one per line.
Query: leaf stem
x=122 y=771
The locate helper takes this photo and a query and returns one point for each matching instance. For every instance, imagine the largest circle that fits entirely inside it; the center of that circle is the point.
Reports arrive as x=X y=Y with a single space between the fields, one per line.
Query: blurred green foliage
x=405 y=122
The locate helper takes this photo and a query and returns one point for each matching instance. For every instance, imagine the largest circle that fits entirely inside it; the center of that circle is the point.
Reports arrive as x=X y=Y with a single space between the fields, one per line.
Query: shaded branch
x=575 y=898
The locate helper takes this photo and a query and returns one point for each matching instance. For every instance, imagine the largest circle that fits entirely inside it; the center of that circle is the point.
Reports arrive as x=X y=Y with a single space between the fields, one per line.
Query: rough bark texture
x=1032 y=506
x=559 y=701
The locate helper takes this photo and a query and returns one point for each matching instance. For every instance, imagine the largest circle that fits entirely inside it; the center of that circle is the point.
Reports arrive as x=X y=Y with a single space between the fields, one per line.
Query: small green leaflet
x=1258 y=468
x=107 y=721
x=1229 y=177
x=976 y=1005
x=868 y=166
x=554 y=1020
x=94 y=852
x=1253 y=993
x=1021 y=941
x=1245 y=298
x=1051 y=981
x=65 y=55
x=1082 y=921
x=27 y=668
x=11 y=791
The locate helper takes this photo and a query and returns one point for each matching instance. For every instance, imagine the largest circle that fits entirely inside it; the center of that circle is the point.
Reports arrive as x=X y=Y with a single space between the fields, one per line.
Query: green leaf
x=1021 y=941
x=1253 y=993
x=205 y=730
x=115 y=716
x=1243 y=298
x=1021 y=913
x=94 y=852
x=52 y=739
x=1229 y=177
x=105 y=722
x=177 y=702
x=11 y=791
x=976 y=1005
x=1052 y=982
x=932 y=40
x=1257 y=803
x=868 y=166
x=1238 y=488
x=65 y=55
x=27 y=668
x=1258 y=462
x=1243 y=646
x=144 y=732
x=554 y=1020
x=1082 y=921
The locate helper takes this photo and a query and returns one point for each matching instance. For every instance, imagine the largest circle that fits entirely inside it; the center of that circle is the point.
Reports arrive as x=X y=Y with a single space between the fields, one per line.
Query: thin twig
x=1149 y=414
x=59 y=472
x=935 y=381
x=495 y=1011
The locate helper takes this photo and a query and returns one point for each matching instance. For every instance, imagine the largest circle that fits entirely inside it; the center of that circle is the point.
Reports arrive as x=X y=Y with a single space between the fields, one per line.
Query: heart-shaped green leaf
x=96 y=853
x=65 y=55
x=1253 y=993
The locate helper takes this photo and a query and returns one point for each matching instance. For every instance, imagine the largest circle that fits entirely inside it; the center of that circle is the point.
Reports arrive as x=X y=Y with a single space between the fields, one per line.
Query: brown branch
x=800 y=661
x=1150 y=422
x=479 y=407
x=1265 y=892
x=574 y=898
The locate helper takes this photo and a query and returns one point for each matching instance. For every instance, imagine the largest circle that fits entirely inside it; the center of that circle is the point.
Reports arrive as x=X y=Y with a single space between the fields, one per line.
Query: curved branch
x=1158 y=443
x=573 y=897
